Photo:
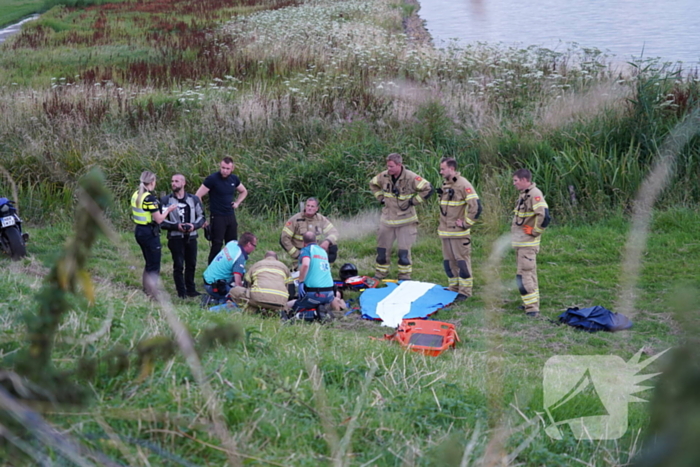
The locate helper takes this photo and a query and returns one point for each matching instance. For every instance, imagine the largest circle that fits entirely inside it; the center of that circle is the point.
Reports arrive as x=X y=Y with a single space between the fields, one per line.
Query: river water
x=625 y=29
x=14 y=28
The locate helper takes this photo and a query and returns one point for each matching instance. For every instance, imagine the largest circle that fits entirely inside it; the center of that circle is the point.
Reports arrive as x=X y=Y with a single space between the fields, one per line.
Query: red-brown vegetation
x=182 y=32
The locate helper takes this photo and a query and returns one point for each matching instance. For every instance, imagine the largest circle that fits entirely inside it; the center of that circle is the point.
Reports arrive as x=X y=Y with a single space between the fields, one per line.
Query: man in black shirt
x=182 y=224
x=221 y=187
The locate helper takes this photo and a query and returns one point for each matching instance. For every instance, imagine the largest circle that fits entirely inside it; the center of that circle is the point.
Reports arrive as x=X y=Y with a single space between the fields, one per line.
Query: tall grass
x=309 y=98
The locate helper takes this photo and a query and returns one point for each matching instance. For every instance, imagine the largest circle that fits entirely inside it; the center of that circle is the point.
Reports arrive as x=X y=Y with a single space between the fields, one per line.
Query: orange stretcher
x=426 y=336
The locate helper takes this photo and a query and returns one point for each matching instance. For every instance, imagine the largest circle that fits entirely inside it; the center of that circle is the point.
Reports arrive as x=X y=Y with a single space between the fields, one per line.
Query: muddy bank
x=414 y=26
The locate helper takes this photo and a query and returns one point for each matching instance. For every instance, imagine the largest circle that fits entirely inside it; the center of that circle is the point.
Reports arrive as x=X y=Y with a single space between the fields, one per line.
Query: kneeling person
x=268 y=279
x=315 y=280
x=229 y=267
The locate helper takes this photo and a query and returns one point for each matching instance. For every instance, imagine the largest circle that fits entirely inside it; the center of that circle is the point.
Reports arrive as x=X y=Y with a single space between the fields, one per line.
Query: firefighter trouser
x=254 y=300
x=457 y=256
x=405 y=235
x=527 y=278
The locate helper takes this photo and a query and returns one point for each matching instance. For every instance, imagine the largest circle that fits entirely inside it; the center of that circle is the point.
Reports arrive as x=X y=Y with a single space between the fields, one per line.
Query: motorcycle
x=12 y=239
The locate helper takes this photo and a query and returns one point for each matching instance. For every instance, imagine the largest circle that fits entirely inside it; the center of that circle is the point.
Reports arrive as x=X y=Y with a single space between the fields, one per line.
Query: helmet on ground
x=347 y=270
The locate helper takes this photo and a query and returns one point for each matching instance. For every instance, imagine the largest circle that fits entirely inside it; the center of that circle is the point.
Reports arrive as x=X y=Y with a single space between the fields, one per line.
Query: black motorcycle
x=12 y=239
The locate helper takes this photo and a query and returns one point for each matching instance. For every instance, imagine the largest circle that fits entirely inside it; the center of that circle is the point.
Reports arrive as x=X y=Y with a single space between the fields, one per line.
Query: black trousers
x=184 y=253
x=223 y=230
x=149 y=241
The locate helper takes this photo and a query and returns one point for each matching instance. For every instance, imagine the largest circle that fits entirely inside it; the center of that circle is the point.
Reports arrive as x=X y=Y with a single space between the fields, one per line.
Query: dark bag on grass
x=595 y=319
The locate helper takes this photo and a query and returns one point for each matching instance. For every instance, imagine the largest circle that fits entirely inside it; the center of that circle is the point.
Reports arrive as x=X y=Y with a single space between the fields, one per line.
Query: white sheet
x=397 y=304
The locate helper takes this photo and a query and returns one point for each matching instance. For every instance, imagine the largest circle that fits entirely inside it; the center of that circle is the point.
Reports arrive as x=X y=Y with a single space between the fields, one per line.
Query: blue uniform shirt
x=319 y=273
x=231 y=260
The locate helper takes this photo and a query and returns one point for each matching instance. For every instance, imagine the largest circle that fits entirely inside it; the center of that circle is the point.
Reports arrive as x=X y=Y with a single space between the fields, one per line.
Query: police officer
x=460 y=207
x=399 y=190
x=309 y=220
x=268 y=279
x=182 y=225
x=146 y=214
x=531 y=217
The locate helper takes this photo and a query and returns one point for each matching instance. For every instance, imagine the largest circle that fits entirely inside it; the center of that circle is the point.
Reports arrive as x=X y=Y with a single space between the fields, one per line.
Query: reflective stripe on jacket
x=292 y=238
x=173 y=219
x=531 y=210
x=458 y=201
x=140 y=210
x=269 y=278
x=400 y=196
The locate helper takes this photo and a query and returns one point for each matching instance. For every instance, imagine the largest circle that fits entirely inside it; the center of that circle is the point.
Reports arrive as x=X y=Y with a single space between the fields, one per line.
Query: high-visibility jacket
x=141 y=208
x=269 y=278
x=400 y=196
x=458 y=201
x=530 y=210
x=292 y=238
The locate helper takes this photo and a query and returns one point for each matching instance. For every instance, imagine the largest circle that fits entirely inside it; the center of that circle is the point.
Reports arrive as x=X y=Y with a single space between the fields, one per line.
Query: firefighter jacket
x=399 y=196
x=292 y=234
x=268 y=279
x=458 y=200
x=189 y=211
x=531 y=210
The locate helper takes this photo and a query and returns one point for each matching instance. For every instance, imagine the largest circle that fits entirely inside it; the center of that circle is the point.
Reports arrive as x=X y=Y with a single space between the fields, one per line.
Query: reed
x=166 y=87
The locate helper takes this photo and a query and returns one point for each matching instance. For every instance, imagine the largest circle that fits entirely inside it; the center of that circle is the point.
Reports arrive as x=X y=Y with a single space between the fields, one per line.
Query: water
x=666 y=29
x=14 y=28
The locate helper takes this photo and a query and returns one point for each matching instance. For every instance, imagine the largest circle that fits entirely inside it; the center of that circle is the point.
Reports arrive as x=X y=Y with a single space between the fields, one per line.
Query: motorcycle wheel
x=14 y=239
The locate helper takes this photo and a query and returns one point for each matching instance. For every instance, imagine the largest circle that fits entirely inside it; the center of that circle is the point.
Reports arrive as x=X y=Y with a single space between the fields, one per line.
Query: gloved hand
x=527 y=229
x=300 y=290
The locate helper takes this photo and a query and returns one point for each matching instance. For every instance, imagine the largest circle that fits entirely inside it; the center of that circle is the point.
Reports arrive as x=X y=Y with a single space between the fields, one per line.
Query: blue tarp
x=595 y=318
x=427 y=304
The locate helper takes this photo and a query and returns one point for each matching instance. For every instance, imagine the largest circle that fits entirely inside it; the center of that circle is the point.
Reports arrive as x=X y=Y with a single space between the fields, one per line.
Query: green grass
x=12 y=11
x=288 y=391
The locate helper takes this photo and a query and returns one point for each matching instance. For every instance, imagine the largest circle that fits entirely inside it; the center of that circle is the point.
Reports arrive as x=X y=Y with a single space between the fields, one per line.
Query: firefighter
x=268 y=279
x=460 y=207
x=531 y=217
x=309 y=220
x=399 y=190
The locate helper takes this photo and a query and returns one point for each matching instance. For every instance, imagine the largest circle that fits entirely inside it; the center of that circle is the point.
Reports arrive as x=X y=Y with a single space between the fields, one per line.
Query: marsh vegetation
x=309 y=97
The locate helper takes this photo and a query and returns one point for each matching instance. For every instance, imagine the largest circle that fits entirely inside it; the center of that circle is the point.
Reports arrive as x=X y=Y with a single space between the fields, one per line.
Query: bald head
x=309 y=237
x=271 y=254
